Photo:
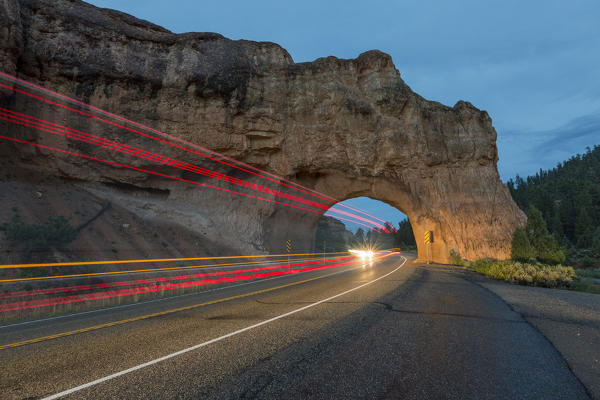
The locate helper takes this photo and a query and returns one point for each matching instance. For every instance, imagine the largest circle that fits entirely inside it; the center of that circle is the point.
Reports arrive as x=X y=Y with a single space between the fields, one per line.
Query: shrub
x=549 y=251
x=583 y=284
x=525 y=273
x=591 y=273
x=53 y=232
x=587 y=262
x=520 y=248
x=481 y=265
x=455 y=258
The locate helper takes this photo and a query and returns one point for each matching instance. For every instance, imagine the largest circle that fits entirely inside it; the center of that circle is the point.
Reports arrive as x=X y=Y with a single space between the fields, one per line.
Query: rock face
x=346 y=128
x=332 y=236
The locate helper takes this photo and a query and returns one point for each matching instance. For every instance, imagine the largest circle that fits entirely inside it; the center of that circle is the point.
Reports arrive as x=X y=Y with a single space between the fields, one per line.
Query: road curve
x=394 y=330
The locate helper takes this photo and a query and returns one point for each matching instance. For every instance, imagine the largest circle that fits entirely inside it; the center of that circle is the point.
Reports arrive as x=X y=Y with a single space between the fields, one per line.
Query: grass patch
x=588 y=285
x=588 y=273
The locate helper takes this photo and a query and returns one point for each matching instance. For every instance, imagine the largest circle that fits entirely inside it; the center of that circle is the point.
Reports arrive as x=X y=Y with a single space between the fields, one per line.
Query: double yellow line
x=7 y=266
x=149 y=270
x=158 y=314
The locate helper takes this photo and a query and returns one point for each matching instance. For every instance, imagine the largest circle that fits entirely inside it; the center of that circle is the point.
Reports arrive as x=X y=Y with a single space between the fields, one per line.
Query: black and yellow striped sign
x=428 y=237
x=288 y=246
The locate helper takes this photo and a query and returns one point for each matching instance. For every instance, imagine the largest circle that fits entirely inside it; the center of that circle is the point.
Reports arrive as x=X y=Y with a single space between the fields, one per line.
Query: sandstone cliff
x=346 y=128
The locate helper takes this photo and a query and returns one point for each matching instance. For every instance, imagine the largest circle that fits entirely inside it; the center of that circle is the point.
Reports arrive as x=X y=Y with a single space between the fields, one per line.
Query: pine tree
x=583 y=229
x=359 y=237
x=544 y=244
x=536 y=227
x=557 y=229
x=596 y=243
x=404 y=237
x=520 y=248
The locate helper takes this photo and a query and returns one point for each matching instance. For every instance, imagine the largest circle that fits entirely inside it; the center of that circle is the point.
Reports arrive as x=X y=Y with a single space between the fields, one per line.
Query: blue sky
x=533 y=65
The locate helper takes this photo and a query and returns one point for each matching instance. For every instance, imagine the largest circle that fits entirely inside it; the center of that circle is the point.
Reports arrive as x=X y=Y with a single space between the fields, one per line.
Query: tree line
x=567 y=199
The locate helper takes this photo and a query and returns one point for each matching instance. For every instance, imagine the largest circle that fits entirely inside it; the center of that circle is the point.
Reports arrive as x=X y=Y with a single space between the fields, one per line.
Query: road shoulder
x=569 y=320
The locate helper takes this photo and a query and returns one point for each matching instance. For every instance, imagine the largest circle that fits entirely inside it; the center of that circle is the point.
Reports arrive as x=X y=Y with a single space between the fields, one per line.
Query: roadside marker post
x=288 y=247
x=428 y=239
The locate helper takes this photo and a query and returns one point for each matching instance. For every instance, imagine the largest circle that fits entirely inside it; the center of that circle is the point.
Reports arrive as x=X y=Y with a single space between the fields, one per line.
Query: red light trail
x=24 y=293
x=149 y=289
x=32 y=122
x=154 y=173
x=262 y=174
x=162 y=284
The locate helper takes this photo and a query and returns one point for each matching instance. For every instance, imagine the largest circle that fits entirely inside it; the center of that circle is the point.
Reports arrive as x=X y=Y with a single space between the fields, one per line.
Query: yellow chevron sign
x=288 y=245
x=428 y=237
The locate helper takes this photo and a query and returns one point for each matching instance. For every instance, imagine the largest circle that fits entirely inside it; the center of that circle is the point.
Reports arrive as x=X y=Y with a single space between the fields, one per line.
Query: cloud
x=577 y=131
x=525 y=152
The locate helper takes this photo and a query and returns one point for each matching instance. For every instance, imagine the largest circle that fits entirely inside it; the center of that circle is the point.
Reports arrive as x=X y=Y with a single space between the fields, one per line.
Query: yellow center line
x=7 y=266
x=158 y=314
x=149 y=270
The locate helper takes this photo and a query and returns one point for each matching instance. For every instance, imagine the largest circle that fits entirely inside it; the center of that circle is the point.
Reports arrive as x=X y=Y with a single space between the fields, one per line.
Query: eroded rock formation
x=346 y=128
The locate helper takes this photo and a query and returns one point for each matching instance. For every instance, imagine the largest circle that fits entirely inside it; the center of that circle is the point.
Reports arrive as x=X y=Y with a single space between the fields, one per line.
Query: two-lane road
x=397 y=329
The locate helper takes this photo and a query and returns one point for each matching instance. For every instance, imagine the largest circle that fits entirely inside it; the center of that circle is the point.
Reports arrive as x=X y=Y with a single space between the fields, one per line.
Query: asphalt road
x=416 y=332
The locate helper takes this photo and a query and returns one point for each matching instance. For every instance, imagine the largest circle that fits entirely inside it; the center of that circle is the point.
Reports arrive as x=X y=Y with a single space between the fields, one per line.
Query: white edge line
x=195 y=347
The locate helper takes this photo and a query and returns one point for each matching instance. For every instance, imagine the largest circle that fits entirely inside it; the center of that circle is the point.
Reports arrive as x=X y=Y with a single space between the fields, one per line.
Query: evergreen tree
x=583 y=229
x=549 y=250
x=544 y=244
x=596 y=243
x=404 y=237
x=536 y=227
x=370 y=237
x=567 y=196
x=359 y=237
x=520 y=248
x=557 y=229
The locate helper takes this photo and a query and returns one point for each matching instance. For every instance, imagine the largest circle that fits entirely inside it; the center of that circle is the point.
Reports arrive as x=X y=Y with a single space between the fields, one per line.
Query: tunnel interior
x=335 y=235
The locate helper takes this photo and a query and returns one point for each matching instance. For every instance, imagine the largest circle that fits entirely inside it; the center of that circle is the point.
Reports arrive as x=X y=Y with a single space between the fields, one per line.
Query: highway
x=393 y=329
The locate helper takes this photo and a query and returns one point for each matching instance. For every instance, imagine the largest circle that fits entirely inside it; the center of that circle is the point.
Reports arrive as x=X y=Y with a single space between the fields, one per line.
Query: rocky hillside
x=344 y=127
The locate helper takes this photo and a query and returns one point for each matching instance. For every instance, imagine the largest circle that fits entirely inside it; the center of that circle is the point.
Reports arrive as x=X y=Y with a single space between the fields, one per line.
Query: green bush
x=53 y=232
x=549 y=251
x=455 y=258
x=481 y=265
x=591 y=273
x=583 y=284
x=520 y=248
x=526 y=274
x=545 y=245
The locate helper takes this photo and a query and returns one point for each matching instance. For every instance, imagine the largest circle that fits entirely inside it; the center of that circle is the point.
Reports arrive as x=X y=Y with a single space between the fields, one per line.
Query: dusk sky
x=533 y=66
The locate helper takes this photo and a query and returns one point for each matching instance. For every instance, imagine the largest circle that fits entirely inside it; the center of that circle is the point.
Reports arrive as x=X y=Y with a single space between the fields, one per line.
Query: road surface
x=397 y=329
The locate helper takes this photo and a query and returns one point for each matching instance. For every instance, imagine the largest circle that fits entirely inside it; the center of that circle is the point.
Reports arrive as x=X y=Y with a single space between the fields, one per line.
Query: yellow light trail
x=7 y=266
x=158 y=314
x=149 y=270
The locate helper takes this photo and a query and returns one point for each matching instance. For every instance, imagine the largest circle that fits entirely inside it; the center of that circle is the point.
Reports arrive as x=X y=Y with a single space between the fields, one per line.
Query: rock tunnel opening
x=334 y=235
x=408 y=202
